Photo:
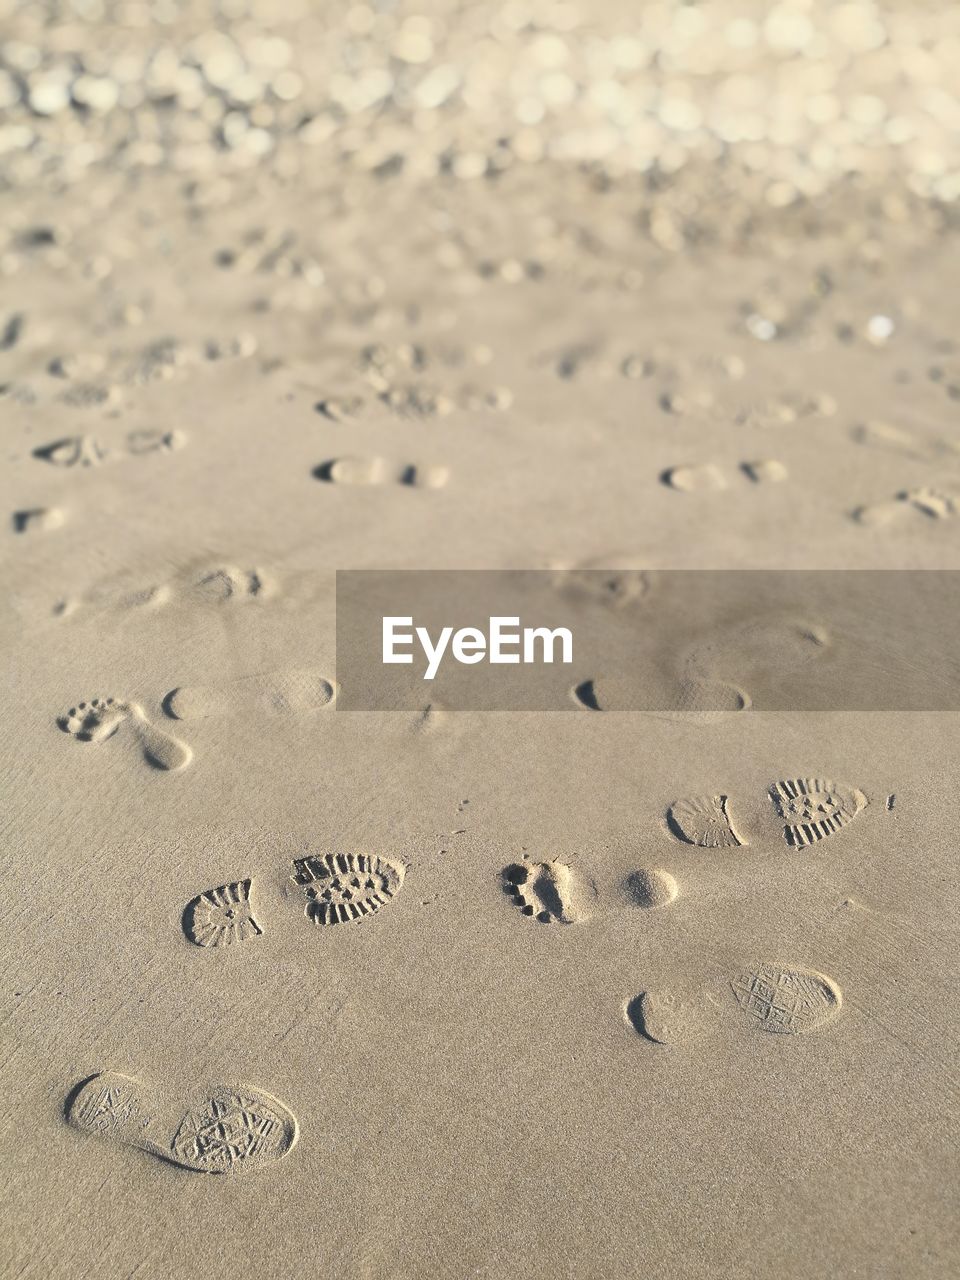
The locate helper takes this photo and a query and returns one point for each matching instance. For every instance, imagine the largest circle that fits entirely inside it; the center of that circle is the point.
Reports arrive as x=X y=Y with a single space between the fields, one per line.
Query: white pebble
x=880 y=329
x=48 y=96
x=96 y=92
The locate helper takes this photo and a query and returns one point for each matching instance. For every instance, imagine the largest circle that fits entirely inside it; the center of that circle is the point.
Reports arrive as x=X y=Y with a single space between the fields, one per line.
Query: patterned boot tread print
x=221 y=916
x=705 y=821
x=342 y=887
x=780 y=999
x=223 y=1129
x=814 y=808
x=787 y=1001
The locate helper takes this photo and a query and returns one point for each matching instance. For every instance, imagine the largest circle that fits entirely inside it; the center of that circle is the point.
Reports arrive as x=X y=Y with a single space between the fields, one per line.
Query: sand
x=618 y=994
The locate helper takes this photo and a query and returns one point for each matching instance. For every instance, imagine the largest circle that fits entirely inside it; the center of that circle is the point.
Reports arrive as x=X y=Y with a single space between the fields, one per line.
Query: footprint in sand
x=341 y=408
x=227 y=582
x=279 y=692
x=546 y=891
x=613 y=580
x=140 y=444
x=649 y=888
x=811 y=809
x=329 y=889
x=666 y=1017
x=931 y=503
x=708 y=478
x=814 y=808
x=703 y=701
x=786 y=1001
x=764 y=471
x=214 y=586
x=222 y=916
x=224 y=1129
x=37 y=520
x=100 y=718
x=86 y=451
x=339 y=888
x=891 y=439
x=148 y=597
x=705 y=821
x=73 y=451
x=782 y=1000
x=96 y=720
x=379 y=471
x=705 y=478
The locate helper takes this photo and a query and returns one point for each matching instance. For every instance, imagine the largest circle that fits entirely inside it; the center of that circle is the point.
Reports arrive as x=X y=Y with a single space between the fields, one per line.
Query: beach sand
x=544 y=1048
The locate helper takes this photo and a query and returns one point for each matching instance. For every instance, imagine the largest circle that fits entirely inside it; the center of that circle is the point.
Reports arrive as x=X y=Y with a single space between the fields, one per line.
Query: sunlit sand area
x=602 y=290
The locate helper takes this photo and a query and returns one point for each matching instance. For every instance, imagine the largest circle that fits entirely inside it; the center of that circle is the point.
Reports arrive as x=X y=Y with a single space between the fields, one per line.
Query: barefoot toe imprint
x=100 y=718
x=547 y=891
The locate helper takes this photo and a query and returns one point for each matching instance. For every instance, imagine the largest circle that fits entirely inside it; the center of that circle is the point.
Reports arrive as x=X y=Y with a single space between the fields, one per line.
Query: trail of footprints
x=810 y=808
x=97 y=721
x=709 y=478
x=328 y=889
x=227 y=1129
x=214 y=585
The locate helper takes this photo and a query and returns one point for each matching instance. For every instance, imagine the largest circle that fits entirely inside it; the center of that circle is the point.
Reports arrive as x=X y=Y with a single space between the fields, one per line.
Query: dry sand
x=248 y=340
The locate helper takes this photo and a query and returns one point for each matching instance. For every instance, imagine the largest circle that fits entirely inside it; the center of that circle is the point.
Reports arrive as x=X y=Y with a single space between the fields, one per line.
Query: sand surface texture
x=287 y=288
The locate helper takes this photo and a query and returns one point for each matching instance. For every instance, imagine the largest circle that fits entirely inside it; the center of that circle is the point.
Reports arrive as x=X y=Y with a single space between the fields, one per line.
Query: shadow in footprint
x=634 y=1015
x=586 y=695
x=545 y=891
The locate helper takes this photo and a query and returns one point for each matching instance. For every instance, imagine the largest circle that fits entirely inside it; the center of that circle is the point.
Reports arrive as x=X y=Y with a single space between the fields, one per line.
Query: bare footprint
x=650 y=888
x=613 y=580
x=148 y=597
x=100 y=718
x=86 y=451
x=708 y=478
x=227 y=582
x=291 y=692
x=546 y=891
x=379 y=471
x=143 y=443
x=161 y=749
x=96 y=720
x=223 y=1129
x=885 y=436
x=37 y=520
x=932 y=503
x=764 y=471
x=73 y=451
x=341 y=408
